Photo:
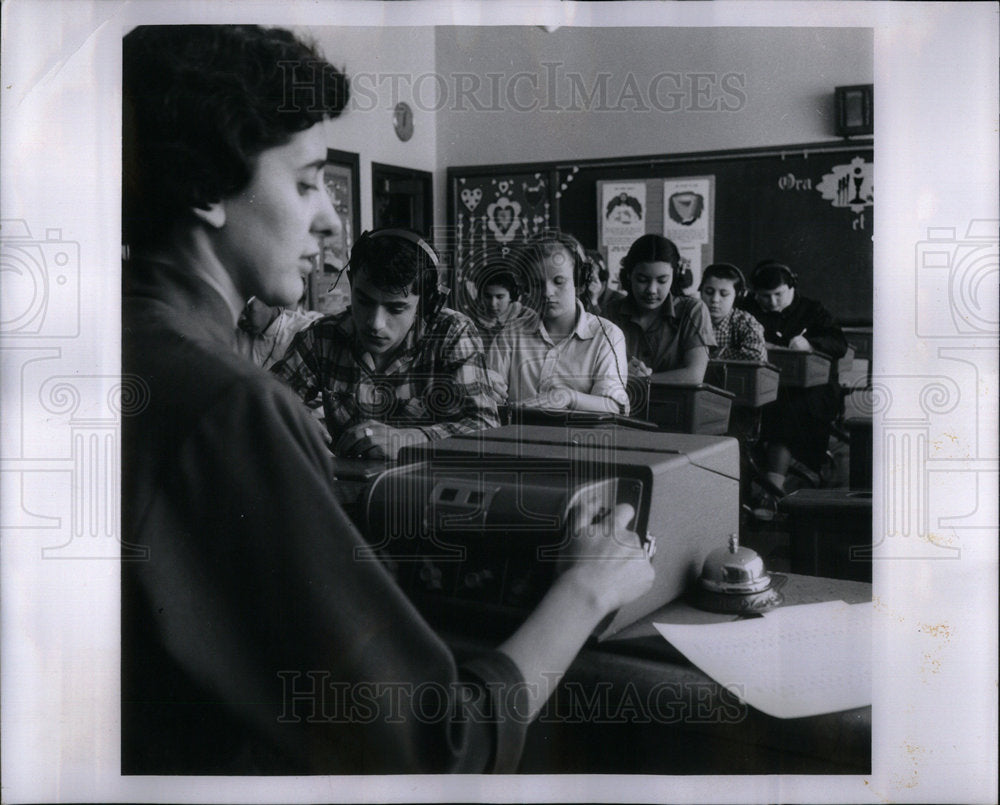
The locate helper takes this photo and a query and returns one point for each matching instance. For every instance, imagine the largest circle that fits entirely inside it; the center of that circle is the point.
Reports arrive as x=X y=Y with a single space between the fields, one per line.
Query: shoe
x=764 y=507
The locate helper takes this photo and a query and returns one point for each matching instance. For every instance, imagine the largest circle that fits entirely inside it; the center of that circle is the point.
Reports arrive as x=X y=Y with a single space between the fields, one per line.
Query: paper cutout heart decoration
x=504 y=219
x=534 y=194
x=471 y=198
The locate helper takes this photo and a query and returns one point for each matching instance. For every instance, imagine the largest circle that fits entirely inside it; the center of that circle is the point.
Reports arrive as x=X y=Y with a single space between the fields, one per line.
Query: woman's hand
x=608 y=562
x=608 y=568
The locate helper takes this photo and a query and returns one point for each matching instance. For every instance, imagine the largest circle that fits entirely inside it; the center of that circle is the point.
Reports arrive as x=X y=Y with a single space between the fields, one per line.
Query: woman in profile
x=256 y=638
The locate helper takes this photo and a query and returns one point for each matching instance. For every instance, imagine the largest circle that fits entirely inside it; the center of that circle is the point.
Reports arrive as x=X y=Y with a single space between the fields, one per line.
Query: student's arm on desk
x=567 y=399
x=611 y=571
x=824 y=334
x=694 y=338
x=458 y=398
x=692 y=368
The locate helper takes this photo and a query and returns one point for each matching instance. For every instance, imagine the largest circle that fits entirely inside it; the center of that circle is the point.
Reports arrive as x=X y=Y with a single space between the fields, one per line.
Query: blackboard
x=769 y=204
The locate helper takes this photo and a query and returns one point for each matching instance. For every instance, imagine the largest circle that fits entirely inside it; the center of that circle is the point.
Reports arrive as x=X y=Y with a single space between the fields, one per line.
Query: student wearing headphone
x=664 y=333
x=566 y=358
x=738 y=335
x=797 y=423
x=599 y=293
x=498 y=304
x=398 y=367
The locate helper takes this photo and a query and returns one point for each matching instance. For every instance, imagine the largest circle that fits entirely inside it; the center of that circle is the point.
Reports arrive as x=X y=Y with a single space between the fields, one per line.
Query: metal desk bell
x=734 y=580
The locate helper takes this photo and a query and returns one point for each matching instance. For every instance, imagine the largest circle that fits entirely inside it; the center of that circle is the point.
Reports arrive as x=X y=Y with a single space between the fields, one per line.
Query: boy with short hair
x=797 y=424
x=397 y=367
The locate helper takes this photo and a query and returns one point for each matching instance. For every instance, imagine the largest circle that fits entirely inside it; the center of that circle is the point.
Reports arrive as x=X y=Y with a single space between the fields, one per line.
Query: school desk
x=753 y=384
x=831 y=532
x=681 y=407
x=633 y=705
x=800 y=369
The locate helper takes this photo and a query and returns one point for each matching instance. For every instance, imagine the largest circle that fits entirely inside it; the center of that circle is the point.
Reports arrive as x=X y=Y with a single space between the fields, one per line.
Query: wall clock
x=402 y=121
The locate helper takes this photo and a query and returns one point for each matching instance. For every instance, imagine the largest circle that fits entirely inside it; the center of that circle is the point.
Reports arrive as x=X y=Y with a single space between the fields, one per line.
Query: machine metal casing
x=476 y=525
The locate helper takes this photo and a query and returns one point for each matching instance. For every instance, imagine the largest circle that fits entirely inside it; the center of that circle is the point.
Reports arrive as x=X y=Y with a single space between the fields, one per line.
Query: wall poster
x=688 y=220
x=621 y=215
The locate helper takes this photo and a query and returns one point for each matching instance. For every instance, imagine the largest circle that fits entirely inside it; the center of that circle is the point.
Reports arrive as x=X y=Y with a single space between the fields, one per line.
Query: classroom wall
x=717 y=88
x=384 y=64
x=666 y=90
x=523 y=94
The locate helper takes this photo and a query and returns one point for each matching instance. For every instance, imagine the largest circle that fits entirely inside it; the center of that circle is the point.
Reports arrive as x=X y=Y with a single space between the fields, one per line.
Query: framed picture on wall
x=329 y=292
x=402 y=197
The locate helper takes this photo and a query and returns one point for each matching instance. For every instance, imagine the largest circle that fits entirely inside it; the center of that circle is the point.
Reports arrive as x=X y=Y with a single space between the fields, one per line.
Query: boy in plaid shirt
x=397 y=367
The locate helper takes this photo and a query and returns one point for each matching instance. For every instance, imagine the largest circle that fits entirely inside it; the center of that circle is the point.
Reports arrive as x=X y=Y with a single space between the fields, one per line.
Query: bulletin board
x=493 y=210
x=329 y=291
x=809 y=206
x=680 y=208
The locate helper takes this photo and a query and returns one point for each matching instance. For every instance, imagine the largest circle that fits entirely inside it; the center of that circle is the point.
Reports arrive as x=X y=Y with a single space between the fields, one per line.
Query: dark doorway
x=402 y=197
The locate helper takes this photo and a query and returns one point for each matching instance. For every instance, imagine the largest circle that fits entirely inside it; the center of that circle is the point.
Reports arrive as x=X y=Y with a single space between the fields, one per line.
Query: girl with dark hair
x=663 y=333
x=498 y=304
x=598 y=293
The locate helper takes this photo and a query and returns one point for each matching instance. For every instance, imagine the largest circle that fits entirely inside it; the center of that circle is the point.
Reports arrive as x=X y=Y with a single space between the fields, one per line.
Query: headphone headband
x=404 y=234
x=741 y=281
x=791 y=277
x=433 y=294
x=582 y=266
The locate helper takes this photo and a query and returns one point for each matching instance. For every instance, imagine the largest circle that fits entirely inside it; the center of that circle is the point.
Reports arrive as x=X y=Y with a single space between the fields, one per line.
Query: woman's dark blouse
x=257 y=638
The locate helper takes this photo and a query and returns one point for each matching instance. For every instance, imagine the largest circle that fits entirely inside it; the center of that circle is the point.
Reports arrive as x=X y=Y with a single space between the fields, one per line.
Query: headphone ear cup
x=435 y=295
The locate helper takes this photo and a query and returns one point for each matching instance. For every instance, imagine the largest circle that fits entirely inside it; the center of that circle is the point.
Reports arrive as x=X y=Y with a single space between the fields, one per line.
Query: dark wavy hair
x=200 y=102
x=394 y=264
x=652 y=249
x=598 y=265
x=498 y=273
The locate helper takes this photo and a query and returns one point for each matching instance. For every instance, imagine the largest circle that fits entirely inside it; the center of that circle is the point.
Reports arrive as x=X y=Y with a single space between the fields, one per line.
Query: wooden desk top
x=633 y=704
x=797 y=590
